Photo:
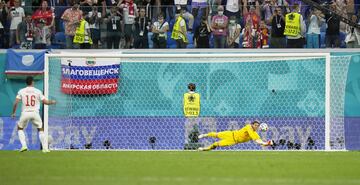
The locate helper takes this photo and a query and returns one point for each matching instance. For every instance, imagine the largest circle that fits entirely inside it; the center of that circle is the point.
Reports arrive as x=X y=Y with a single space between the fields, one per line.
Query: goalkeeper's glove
x=269 y=143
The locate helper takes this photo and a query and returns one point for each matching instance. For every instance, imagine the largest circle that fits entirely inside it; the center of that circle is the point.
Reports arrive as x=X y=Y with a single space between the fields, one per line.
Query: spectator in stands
x=152 y=8
x=103 y=26
x=262 y=36
x=114 y=29
x=3 y=23
x=202 y=34
x=86 y=5
x=71 y=17
x=141 y=30
x=313 y=33
x=83 y=34
x=295 y=28
x=159 y=30
x=201 y=5
x=277 y=39
x=42 y=34
x=249 y=35
x=352 y=38
x=233 y=8
x=284 y=4
x=342 y=10
x=219 y=26
x=94 y=23
x=61 y=6
x=16 y=16
x=44 y=13
x=179 y=33
x=25 y=33
x=333 y=28
x=251 y=19
x=234 y=30
x=129 y=11
x=182 y=4
x=267 y=9
x=253 y=16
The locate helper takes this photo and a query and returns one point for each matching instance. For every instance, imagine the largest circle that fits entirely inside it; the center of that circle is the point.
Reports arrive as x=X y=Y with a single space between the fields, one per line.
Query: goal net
x=135 y=101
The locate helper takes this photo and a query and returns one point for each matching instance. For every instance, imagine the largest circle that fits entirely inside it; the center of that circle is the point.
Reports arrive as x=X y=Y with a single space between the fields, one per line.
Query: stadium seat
x=171 y=25
x=62 y=25
x=190 y=46
x=59 y=41
x=171 y=43
x=190 y=37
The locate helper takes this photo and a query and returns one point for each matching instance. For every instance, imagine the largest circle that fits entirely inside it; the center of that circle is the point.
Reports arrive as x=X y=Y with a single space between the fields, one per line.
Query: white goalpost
x=134 y=101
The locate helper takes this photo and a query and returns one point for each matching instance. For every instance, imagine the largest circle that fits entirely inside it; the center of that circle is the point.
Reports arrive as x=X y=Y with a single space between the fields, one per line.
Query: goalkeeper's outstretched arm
x=261 y=142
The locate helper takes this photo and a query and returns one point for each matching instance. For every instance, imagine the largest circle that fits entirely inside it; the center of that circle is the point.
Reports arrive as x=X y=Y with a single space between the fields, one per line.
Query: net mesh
x=145 y=113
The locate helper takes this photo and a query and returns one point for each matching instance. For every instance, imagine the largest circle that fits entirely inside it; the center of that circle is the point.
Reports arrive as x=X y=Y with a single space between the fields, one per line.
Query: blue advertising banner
x=9 y=139
x=173 y=133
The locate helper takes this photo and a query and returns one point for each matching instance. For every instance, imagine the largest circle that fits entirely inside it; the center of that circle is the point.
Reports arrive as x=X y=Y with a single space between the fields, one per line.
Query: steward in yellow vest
x=292 y=24
x=82 y=36
x=179 y=31
x=191 y=102
x=295 y=28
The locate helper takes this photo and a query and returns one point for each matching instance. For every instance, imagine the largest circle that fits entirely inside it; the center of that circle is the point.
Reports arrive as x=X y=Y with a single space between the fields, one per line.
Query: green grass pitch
x=182 y=167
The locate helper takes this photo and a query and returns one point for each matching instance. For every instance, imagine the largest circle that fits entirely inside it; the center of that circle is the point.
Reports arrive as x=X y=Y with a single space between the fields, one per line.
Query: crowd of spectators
x=114 y=24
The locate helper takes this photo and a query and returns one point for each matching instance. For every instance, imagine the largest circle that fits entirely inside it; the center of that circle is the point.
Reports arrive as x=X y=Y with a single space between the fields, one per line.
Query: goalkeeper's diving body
x=229 y=138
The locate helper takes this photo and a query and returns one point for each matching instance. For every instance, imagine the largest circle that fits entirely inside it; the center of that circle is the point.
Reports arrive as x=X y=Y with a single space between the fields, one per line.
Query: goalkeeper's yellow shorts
x=227 y=138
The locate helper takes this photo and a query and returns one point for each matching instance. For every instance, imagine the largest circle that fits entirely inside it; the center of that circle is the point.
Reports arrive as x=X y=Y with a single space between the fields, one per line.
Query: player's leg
x=42 y=138
x=38 y=123
x=227 y=139
x=210 y=134
x=219 y=135
x=221 y=143
x=22 y=123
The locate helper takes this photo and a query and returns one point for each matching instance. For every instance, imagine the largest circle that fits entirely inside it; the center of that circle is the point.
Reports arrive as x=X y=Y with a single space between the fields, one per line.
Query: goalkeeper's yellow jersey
x=245 y=134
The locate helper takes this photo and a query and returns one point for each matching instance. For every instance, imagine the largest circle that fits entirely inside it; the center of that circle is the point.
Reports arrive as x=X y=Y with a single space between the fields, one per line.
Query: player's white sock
x=41 y=137
x=22 y=138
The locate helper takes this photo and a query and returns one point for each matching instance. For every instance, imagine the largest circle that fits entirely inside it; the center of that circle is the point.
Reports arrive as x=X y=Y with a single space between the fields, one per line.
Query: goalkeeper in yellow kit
x=229 y=138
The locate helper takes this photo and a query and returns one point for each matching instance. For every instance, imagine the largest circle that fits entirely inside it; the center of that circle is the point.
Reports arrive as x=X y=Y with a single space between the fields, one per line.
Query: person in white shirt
x=31 y=98
x=234 y=30
x=159 y=30
x=16 y=15
x=130 y=12
x=43 y=34
x=352 y=38
x=313 y=32
x=233 y=8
